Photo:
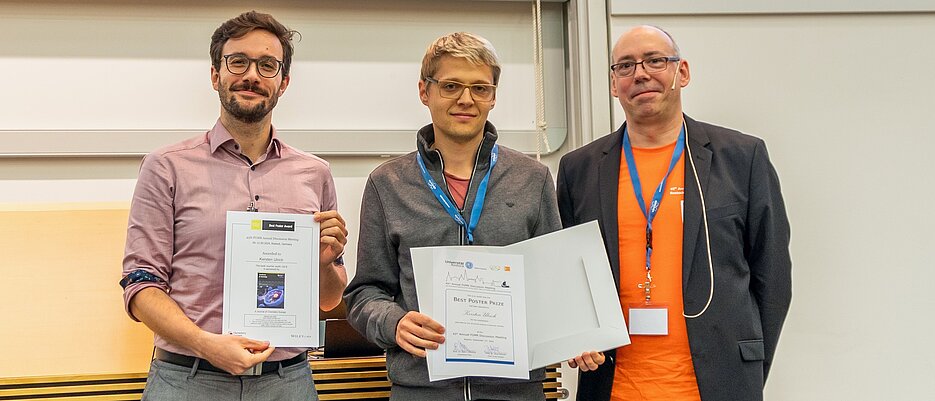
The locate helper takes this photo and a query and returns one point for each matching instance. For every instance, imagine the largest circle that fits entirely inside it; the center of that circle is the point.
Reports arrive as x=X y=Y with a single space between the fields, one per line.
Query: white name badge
x=649 y=320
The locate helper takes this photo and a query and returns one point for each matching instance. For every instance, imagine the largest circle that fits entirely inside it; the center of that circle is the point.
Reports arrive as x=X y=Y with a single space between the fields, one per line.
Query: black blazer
x=733 y=342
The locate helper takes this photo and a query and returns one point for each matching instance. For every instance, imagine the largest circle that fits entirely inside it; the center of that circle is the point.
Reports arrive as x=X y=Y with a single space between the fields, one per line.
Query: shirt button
x=236 y=146
x=253 y=168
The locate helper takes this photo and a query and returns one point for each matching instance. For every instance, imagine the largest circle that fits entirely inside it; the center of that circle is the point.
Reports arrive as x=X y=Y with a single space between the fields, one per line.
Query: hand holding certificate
x=271 y=278
x=568 y=301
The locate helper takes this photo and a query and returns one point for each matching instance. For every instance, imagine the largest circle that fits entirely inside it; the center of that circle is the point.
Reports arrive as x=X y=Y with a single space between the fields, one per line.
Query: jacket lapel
x=608 y=181
x=701 y=154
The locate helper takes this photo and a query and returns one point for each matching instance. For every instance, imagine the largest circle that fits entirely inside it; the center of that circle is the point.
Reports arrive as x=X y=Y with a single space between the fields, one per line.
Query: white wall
x=844 y=104
x=129 y=76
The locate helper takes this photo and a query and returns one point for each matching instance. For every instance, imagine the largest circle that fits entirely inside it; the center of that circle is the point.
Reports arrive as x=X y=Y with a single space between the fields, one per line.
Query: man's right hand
x=416 y=332
x=233 y=354
x=163 y=316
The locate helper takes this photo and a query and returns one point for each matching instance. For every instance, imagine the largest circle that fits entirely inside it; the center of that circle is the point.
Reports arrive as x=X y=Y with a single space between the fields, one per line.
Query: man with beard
x=696 y=232
x=174 y=263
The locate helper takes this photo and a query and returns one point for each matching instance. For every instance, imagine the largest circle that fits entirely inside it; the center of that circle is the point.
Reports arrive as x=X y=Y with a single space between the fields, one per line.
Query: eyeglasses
x=454 y=90
x=651 y=65
x=267 y=67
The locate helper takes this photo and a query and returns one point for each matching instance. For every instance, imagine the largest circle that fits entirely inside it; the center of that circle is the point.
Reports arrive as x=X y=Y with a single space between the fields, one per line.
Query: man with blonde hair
x=458 y=188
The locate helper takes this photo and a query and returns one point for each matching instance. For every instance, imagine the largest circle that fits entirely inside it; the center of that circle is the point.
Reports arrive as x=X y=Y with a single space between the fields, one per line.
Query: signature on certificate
x=493 y=350
x=460 y=347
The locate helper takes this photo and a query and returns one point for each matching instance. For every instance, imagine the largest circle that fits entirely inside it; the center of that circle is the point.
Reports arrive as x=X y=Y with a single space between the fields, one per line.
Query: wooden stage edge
x=335 y=379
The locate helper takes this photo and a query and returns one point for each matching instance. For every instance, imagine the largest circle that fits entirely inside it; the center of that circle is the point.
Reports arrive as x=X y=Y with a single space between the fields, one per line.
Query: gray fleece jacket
x=399 y=212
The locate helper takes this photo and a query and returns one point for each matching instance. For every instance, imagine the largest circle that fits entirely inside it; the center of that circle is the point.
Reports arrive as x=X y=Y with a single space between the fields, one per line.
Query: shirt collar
x=219 y=136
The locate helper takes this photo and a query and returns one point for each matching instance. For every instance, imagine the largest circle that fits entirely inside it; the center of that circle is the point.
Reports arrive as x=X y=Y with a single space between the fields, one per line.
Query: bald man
x=696 y=232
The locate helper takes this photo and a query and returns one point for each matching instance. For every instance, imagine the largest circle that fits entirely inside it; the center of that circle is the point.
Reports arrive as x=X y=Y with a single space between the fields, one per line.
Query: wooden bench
x=335 y=379
x=105 y=387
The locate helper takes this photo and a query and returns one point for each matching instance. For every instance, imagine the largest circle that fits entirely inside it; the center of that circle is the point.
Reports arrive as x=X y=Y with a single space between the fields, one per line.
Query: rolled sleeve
x=150 y=233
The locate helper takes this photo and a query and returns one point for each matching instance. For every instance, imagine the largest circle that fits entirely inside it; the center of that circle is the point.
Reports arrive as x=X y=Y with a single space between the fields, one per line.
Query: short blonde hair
x=475 y=49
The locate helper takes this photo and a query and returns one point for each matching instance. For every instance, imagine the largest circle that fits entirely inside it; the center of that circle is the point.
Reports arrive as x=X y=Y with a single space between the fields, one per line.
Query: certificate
x=271 y=278
x=481 y=302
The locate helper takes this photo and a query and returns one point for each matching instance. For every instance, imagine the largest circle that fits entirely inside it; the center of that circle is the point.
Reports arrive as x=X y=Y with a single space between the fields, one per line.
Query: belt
x=190 y=361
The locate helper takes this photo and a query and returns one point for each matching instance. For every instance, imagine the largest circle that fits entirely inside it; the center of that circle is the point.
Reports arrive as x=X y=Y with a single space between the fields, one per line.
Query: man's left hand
x=333 y=236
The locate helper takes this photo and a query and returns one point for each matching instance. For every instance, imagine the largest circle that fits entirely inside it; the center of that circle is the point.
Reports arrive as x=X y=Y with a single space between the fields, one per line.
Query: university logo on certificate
x=271 y=278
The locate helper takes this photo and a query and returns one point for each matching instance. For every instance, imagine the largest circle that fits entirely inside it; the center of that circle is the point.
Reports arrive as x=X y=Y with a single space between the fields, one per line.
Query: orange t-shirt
x=653 y=367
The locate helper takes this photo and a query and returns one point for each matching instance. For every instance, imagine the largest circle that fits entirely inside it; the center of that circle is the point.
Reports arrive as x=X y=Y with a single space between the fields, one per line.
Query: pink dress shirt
x=178 y=216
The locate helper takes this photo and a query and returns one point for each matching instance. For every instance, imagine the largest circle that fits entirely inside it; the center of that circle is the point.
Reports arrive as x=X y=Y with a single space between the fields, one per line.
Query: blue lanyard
x=638 y=188
x=449 y=207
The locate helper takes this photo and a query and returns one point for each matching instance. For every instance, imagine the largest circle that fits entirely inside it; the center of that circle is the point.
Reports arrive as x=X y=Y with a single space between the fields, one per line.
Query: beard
x=241 y=112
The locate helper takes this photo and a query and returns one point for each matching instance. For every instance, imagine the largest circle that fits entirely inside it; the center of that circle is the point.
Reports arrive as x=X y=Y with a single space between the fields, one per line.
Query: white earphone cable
x=707 y=237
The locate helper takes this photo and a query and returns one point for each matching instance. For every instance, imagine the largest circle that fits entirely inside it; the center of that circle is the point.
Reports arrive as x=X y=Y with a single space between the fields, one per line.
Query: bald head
x=645 y=34
x=649 y=77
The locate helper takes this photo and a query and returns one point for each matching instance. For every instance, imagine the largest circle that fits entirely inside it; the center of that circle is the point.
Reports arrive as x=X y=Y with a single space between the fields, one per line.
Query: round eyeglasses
x=625 y=69
x=267 y=67
x=455 y=89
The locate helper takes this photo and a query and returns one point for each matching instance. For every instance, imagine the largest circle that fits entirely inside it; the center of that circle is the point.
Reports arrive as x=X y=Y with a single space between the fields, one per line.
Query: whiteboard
x=123 y=78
